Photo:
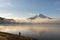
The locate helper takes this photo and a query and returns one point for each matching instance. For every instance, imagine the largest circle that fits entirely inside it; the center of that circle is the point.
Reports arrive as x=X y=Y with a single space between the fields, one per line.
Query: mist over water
x=33 y=30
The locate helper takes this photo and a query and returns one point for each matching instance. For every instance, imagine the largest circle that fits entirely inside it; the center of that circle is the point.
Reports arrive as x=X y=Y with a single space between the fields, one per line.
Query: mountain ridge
x=35 y=19
x=39 y=16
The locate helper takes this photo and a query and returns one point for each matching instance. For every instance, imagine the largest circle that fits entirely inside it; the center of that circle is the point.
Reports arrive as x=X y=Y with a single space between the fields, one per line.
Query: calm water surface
x=39 y=31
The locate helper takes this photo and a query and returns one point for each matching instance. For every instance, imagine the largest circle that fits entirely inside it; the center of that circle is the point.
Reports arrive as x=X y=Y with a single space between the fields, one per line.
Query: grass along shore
x=9 y=36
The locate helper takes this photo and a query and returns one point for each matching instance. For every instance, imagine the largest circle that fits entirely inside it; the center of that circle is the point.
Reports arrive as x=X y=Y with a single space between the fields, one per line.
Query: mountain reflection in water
x=35 y=31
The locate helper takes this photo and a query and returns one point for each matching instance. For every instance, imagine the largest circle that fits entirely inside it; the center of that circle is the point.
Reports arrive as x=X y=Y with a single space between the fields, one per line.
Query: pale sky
x=28 y=8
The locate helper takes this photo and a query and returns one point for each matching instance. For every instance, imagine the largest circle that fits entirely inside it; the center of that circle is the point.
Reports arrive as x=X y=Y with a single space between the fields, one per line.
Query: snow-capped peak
x=40 y=16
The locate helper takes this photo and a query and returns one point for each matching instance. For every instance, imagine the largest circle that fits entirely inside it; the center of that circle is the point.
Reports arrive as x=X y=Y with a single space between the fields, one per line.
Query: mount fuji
x=39 y=19
x=42 y=19
x=40 y=16
x=35 y=19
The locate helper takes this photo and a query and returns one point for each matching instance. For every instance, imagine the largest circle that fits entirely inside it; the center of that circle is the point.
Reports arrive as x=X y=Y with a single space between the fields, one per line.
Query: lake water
x=39 y=31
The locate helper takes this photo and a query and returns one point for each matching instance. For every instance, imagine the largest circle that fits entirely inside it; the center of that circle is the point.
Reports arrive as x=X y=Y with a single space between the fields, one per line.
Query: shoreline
x=10 y=36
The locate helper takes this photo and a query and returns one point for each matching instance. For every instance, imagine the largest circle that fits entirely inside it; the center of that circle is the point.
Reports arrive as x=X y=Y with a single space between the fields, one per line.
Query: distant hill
x=6 y=21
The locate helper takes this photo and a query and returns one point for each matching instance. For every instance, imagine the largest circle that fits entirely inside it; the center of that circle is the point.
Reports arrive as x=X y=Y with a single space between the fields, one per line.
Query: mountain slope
x=39 y=16
x=43 y=19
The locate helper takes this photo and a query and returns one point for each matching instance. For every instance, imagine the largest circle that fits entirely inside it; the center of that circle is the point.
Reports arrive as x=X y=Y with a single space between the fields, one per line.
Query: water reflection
x=37 y=31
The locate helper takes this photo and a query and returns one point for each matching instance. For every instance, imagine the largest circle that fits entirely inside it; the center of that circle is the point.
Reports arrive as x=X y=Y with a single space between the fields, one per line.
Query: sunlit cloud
x=39 y=20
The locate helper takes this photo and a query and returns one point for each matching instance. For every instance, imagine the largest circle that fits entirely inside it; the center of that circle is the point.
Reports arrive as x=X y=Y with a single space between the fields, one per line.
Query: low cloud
x=39 y=20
